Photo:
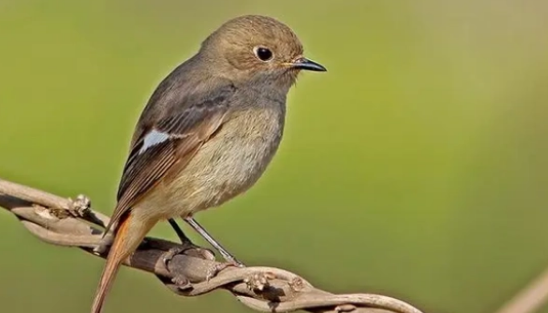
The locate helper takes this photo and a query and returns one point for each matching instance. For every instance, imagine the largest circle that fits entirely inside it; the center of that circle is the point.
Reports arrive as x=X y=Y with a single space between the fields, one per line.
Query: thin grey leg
x=198 y=228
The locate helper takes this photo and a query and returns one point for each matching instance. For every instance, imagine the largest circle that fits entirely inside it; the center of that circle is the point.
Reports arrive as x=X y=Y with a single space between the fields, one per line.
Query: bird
x=207 y=133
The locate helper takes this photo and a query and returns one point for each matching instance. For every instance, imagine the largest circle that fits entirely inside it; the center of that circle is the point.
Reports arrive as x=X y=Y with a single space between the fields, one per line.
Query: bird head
x=257 y=49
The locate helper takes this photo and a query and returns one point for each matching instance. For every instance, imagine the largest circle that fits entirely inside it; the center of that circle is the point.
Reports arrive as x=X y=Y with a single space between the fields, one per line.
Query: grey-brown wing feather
x=169 y=143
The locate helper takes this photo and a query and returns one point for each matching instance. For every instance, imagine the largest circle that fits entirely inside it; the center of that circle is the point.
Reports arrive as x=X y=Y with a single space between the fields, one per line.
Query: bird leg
x=182 y=236
x=229 y=258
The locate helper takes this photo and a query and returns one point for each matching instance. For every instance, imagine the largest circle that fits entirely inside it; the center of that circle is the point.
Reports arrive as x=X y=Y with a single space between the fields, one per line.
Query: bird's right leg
x=224 y=253
x=229 y=258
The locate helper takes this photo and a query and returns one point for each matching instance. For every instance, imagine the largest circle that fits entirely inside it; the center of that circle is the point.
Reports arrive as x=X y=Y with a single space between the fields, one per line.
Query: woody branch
x=72 y=223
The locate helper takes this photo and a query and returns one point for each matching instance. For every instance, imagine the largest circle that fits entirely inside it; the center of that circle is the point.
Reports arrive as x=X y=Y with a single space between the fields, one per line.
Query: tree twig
x=72 y=223
x=531 y=298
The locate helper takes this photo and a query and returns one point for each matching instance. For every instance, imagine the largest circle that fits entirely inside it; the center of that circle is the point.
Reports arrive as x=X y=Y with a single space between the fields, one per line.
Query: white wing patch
x=153 y=138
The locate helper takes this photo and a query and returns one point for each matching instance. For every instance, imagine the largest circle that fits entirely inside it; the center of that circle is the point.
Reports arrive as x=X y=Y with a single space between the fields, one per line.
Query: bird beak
x=303 y=63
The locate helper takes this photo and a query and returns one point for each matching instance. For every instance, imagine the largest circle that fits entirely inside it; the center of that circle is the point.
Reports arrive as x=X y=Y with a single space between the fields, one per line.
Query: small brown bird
x=207 y=133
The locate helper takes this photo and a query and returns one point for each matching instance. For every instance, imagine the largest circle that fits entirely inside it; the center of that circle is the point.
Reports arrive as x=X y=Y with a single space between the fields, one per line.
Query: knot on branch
x=80 y=206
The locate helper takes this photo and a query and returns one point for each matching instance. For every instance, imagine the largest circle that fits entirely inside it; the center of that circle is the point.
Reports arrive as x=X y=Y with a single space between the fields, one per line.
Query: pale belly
x=225 y=166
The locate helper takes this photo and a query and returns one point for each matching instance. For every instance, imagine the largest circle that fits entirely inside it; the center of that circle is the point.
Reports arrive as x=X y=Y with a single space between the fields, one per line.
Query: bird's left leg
x=180 y=233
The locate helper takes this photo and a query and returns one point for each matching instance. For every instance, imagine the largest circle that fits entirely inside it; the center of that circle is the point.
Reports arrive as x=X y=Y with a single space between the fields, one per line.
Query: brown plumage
x=207 y=133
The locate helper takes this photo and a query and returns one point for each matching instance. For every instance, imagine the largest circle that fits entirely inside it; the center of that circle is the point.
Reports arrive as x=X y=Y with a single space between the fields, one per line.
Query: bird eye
x=264 y=54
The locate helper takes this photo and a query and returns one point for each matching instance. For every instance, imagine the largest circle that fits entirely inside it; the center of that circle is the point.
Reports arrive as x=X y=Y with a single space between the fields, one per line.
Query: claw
x=217 y=268
x=171 y=253
x=179 y=280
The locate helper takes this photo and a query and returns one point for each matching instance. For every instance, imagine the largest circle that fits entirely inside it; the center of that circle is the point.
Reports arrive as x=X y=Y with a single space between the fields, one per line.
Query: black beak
x=305 y=64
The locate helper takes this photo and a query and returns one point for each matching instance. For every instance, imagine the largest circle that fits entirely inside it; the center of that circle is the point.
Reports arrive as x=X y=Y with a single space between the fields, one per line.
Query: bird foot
x=217 y=268
x=179 y=280
x=189 y=249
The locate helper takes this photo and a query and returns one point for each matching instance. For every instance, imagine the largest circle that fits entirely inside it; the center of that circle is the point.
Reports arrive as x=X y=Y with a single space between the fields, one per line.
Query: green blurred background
x=415 y=167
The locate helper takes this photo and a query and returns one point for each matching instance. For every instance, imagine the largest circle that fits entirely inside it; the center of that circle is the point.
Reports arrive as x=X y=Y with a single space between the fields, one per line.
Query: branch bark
x=531 y=298
x=72 y=223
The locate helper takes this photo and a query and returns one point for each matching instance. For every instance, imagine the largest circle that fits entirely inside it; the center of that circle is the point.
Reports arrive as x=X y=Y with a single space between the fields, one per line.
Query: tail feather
x=118 y=252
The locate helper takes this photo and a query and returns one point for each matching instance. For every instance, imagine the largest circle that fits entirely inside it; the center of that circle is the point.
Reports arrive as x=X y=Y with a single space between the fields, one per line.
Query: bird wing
x=169 y=141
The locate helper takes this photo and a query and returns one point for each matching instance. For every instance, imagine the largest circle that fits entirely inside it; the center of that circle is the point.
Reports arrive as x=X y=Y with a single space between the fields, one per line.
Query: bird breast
x=228 y=163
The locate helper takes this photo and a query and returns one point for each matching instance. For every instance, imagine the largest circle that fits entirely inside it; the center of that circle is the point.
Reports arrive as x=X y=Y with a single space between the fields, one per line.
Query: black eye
x=264 y=54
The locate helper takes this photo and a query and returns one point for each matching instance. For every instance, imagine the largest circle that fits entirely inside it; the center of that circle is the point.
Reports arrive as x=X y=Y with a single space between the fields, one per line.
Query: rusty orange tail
x=118 y=252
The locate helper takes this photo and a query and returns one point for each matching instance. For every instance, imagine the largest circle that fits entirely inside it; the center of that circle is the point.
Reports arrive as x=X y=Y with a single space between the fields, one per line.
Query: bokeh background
x=415 y=167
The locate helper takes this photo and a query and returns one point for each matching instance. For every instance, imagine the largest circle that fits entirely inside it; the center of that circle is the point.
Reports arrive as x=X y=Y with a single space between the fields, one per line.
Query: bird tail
x=118 y=252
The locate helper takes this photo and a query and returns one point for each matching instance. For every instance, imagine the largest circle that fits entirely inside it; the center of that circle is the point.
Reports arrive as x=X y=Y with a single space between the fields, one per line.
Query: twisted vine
x=72 y=223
